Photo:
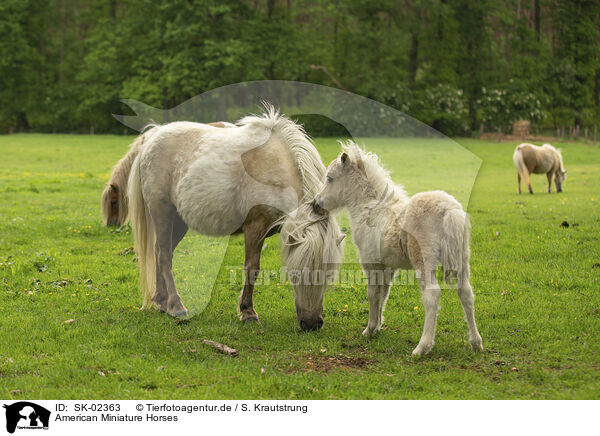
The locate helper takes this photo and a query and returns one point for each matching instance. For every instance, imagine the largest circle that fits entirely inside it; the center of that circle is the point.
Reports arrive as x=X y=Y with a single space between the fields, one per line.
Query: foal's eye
x=329 y=179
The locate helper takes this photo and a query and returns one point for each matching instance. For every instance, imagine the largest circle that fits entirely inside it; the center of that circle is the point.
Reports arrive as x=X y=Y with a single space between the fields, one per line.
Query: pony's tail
x=143 y=235
x=107 y=204
x=519 y=162
x=455 y=251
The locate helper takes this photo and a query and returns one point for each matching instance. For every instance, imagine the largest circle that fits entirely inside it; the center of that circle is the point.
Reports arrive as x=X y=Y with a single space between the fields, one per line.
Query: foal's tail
x=455 y=251
x=143 y=235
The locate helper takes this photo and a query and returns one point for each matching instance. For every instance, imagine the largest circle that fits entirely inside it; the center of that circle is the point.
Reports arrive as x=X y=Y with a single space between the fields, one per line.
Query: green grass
x=536 y=285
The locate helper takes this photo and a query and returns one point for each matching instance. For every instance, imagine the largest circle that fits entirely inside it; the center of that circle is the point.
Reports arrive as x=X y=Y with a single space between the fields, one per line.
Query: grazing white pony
x=529 y=158
x=394 y=231
x=258 y=179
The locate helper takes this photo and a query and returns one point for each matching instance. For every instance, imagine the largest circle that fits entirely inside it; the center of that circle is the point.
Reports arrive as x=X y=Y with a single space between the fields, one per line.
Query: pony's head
x=312 y=252
x=561 y=174
x=110 y=205
x=559 y=179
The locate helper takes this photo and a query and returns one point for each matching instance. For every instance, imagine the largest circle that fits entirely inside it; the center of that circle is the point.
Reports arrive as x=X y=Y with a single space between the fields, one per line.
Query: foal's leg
x=519 y=182
x=166 y=297
x=254 y=233
x=467 y=299
x=549 y=177
x=378 y=291
x=430 y=295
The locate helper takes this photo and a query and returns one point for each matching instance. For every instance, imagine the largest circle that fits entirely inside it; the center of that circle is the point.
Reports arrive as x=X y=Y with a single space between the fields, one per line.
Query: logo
x=26 y=415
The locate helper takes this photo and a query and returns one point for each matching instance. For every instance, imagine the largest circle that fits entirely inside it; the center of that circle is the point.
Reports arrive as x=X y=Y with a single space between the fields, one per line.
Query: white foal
x=394 y=231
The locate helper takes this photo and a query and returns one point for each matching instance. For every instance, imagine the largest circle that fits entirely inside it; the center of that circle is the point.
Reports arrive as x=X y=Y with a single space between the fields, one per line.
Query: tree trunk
x=537 y=19
x=112 y=9
x=270 y=8
x=413 y=59
x=63 y=19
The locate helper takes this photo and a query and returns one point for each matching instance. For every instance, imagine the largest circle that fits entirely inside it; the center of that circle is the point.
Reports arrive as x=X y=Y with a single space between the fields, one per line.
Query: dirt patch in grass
x=328 y=363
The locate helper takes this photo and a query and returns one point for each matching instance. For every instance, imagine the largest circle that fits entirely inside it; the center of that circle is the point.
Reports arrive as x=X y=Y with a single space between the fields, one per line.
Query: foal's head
x=344 y=176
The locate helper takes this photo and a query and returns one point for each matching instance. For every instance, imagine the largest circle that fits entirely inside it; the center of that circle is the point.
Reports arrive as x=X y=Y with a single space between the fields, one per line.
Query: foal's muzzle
x=318 y=207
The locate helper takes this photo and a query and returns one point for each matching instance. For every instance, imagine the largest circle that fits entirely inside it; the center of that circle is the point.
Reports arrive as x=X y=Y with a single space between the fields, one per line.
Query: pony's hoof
x=179 y=313
x=248 y=316
x=369 y=333
x=250 y=320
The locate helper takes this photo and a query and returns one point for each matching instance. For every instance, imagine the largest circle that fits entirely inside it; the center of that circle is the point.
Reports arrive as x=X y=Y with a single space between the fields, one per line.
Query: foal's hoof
x=422 y=350
x=477 y=344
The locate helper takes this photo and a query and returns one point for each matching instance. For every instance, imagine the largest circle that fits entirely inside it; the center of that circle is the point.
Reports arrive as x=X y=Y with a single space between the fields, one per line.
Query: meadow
x=70 y=324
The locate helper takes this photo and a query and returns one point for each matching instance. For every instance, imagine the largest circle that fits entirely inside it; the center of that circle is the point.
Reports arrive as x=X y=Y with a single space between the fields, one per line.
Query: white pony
x=393 y=231
x=259 y=178
x=529 y=158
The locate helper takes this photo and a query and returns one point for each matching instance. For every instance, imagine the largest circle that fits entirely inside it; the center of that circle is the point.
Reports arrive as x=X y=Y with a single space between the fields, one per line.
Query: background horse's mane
x=378 y=176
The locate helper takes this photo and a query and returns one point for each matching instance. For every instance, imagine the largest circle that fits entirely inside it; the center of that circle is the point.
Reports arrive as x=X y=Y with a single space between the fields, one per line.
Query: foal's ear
x=345 y=158
x=115 y=187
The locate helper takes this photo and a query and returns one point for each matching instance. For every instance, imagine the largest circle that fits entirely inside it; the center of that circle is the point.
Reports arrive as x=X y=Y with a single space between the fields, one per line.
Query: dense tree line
x=455 y=64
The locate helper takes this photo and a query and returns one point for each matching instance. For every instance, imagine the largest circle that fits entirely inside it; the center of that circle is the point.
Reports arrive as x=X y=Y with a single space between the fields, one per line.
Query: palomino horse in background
x=258 y=178
x=546 y=159
x=114 y=196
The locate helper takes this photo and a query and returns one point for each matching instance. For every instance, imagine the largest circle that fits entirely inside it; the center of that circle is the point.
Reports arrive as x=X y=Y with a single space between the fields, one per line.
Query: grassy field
x=70 y=325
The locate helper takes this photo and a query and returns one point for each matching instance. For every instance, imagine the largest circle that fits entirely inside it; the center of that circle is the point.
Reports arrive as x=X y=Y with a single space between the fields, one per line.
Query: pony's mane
x=377 y=175
x=293 y=135
x=558 y=152
x=309 y=241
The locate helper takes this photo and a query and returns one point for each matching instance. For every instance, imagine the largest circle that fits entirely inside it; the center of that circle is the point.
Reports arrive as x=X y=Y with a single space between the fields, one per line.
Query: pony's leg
x=378 y=291
x=166 y=297
x=430 y=295
x=180 y=228
x=527 y=180
x=253 y=241
x=467 y=299
x=519 y=182
x=549 y=177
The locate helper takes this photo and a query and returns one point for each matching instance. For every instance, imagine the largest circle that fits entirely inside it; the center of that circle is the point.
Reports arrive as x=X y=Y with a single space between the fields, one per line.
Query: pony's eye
x=329 y=179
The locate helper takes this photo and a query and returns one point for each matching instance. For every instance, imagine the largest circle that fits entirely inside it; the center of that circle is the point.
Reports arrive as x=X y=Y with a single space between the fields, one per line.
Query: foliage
x=499 y=108
x=66 y=64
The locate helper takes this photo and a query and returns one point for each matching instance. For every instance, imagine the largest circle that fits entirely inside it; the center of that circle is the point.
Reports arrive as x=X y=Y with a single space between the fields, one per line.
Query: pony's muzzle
x=309 y=325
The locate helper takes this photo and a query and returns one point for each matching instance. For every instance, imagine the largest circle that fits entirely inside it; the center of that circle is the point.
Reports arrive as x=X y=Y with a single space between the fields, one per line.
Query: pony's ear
x=345 y=158
x=115 y=187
